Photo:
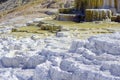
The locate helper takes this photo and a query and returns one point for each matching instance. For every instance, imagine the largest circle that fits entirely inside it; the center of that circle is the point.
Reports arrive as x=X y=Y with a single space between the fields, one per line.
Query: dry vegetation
x=20 y=8
x=78 y=30
x=97 y=24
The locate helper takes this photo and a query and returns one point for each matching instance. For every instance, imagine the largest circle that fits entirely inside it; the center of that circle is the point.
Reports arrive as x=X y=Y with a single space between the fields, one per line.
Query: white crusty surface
x=60 y=58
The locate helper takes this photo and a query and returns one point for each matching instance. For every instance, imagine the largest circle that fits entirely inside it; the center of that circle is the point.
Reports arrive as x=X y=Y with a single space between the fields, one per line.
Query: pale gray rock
x=25 y=74
x=35 y=37
x=105 y=66
x=20 y=25
x=80 y=50
x=55 y=60
x=52 y=12
x=48 y=52
x=63 y=34
x=115 y=69
x=88 y=54
x=57 y=74
x=42 y=71
x=37 y=20
x=68 y=65
x=105 y=44
x=13 y=61
x=35 y=60
x=77 y=44
x=29 y=23
x=7 y=75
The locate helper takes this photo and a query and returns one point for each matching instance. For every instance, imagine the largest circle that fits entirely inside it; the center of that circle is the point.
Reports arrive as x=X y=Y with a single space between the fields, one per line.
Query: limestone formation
x=93 y=4
x=97 y=58
x=91 y=10
x=97 y=14
x=66 y=17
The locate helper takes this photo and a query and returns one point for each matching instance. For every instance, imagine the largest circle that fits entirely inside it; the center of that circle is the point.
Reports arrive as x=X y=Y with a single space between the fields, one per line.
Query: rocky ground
x=97 y=58
x=35 y=58
x=59 y=57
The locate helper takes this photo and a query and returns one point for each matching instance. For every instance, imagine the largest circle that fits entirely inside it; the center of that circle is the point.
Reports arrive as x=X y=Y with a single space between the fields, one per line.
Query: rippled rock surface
x=60 y=58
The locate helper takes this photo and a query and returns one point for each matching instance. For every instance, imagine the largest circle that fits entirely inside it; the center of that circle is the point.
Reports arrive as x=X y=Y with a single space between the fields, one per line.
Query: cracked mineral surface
x=60 y=58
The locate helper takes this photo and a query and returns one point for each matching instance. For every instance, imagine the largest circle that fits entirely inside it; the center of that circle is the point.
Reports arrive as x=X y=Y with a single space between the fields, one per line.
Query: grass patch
x=71 y=24
x=29 y=31
x=86 y=29
x=77 y=30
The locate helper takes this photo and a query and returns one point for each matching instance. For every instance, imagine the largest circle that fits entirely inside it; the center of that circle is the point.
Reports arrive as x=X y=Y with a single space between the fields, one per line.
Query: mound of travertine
x=60 y=58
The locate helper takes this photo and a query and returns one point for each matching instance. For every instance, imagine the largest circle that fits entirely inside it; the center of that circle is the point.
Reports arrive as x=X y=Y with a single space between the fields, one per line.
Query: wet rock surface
x=97 y=58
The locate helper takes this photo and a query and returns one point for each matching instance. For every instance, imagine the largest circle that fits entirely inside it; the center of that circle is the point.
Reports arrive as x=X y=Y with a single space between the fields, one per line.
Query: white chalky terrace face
x=96 y=58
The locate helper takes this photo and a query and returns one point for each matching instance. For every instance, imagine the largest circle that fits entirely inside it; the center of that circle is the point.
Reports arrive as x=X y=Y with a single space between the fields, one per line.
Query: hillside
x=21 y=11
x=10 y=4
x=26 y=7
